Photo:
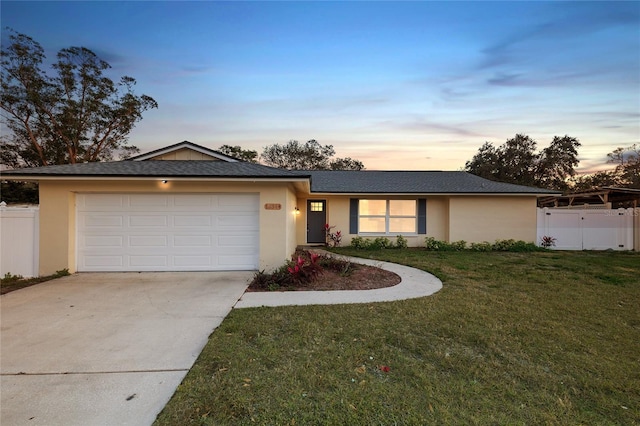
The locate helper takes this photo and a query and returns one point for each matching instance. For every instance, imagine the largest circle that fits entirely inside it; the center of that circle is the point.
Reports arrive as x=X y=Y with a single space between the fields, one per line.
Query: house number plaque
x=272 y=206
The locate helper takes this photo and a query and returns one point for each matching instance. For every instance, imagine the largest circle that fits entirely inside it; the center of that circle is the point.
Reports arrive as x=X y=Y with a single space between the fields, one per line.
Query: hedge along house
x=188 y=208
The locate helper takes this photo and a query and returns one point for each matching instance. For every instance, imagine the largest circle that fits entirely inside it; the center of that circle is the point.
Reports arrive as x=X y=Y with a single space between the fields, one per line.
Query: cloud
x=572 y=23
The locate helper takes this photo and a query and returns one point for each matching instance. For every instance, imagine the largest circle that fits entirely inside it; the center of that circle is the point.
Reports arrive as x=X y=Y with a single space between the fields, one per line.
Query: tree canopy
x=69 y=114
x=516 y=161
x=626 y=172
x=247 y=155
x=308 y=156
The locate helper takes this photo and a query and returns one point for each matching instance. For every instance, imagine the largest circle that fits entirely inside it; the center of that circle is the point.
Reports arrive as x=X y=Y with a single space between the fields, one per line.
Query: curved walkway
x=414 y=283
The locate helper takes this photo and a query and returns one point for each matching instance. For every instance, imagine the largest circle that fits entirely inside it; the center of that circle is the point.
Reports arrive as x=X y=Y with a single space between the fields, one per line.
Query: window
x=387 y=216
x=316 y=206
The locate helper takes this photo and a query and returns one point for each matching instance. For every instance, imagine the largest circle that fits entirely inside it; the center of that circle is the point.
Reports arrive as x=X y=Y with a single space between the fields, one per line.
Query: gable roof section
x=183 y=145
x=155 y=169
x=412 y=182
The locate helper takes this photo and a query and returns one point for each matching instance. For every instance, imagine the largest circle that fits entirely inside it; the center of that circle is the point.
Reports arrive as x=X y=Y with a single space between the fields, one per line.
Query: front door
x=316 y=219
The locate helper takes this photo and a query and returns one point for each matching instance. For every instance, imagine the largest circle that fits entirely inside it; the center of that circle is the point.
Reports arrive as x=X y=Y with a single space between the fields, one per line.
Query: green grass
x=512 y=338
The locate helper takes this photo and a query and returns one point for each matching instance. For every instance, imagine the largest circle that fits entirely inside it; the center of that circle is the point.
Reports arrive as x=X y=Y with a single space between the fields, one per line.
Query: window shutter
x=353 y=216
x=422 y=216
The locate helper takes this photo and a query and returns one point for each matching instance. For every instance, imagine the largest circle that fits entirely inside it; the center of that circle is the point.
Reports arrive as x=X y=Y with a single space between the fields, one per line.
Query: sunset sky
x=397 y=85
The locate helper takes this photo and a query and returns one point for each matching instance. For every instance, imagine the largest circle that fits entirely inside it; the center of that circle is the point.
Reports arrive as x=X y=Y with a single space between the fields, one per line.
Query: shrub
x=432 y=244
x=401 y=242
x=342 y=267
x=458 y=245
x=547 y=241
x=500 y=245
x=360 y=243
x=513 y=245
x=483 y=246
x=332 y=239
x=381 y=243
x=303 y=269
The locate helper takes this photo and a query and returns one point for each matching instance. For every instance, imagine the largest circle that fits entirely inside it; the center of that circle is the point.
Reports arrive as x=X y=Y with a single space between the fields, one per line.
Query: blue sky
x=397 y=85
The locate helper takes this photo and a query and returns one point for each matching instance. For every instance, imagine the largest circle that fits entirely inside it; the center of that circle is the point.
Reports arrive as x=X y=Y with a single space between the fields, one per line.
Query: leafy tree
x=588 y=182
x=516 y=161
x=557 y=163
x=247 y=155
x=627 y=161
x=625 y=174
x=346 y=163
x=308 y=156
x=69 y=114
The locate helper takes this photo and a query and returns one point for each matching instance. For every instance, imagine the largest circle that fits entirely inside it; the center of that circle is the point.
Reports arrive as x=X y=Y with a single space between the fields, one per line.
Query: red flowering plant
x=332 y=239
x=304 y=268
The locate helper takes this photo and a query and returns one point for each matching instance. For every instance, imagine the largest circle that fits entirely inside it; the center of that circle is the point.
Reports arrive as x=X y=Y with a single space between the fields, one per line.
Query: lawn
x=512 y=338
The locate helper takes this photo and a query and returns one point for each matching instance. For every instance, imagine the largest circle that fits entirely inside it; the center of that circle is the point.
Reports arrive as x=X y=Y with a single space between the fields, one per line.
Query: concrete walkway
x=106 y=348
x=415 y=283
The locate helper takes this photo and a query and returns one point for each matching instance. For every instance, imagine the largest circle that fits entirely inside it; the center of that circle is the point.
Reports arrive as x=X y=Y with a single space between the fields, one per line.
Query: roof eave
x=448 y=193
x=154 y=177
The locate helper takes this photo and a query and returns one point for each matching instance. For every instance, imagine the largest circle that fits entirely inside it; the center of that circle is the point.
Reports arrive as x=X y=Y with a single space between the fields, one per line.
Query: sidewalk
x=415 y=283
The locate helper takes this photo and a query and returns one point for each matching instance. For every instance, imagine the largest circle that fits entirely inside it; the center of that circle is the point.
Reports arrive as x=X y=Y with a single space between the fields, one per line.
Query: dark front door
x=316 y=219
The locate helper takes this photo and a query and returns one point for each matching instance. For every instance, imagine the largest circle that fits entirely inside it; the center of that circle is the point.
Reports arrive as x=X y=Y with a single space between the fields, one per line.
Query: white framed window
x=387 y=217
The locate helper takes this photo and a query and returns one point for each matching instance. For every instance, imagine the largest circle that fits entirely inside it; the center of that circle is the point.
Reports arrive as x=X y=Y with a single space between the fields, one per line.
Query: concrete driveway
x=106 y=348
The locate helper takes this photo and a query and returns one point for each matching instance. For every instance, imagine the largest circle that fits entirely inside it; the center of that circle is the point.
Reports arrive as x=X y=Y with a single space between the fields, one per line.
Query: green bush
x=483 y=246
x=401 y=242
x=432 y=244
x=381 y=243
x=360 y=243
x=458 y=245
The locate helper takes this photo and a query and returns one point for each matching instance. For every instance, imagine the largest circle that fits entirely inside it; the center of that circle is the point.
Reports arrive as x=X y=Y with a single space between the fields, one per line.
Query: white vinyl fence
x=19 y=240
x=588 y=229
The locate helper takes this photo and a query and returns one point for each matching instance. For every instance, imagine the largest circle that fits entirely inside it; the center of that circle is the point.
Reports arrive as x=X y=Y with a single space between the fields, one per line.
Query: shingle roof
x=204 y=169
x=333 y=181
x=412 y=182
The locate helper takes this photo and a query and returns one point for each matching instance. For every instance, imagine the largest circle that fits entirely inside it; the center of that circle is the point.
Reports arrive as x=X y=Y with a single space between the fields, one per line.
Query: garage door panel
x=110 y=221
x=190 y=221
x=194 y=200
x=167 y=232
x=103 y=241
x=192 y=241
x=192 y=261
x=148 y=241
x=236 y=222
x=145 y=201
x=109 y=202
x=237 y=241
x=103 y=261
x=145 y=221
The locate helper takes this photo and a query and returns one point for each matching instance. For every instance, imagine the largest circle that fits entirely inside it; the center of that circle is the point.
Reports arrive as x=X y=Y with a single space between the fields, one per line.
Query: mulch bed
x=362 y=277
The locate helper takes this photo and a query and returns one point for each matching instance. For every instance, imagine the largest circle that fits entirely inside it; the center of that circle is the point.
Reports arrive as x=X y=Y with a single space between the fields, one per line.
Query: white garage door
x=161 y=232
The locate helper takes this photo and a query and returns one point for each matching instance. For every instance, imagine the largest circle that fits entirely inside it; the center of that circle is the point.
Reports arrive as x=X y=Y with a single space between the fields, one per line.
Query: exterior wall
x=292 y=220
x=438 y=218
x=490 y=218
x=58 y=221
x=185 y=154
x=449 y=218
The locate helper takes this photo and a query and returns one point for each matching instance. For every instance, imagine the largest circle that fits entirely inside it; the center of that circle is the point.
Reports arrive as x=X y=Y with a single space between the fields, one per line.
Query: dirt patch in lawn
x=360 y=277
